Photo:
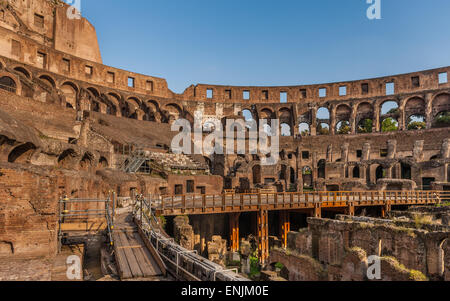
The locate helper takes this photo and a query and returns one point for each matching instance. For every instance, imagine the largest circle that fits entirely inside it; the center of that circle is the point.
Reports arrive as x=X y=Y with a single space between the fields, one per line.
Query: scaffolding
x=76 y=212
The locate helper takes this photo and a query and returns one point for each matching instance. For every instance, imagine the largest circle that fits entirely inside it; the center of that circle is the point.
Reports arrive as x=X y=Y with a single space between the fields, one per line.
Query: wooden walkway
x=134 y=260
x=248 y=202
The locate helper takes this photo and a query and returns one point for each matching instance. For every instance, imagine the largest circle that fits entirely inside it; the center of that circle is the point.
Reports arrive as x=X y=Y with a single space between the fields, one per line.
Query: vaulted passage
x=8 y=84
x=22 y=153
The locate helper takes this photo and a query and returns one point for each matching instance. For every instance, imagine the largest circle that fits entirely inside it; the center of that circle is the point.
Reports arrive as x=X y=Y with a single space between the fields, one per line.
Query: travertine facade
x=63 y=112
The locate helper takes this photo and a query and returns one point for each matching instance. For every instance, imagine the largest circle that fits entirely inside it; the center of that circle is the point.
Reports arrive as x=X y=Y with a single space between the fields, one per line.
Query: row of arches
x=414 y=112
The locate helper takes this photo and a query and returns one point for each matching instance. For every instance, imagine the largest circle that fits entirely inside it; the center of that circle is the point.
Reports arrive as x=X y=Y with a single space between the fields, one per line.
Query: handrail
x=194 y=201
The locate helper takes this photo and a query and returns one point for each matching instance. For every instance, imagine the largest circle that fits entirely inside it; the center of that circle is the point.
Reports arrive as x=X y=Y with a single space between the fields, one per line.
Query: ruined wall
x=405 y=246
x=46 y=22
x=29 y=205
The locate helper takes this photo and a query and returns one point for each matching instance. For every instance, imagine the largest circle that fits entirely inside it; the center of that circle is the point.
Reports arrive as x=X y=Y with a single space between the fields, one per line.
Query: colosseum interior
x=74 y=128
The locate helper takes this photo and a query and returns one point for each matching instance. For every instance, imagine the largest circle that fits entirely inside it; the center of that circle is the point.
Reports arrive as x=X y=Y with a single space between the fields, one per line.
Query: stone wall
x=419 y=249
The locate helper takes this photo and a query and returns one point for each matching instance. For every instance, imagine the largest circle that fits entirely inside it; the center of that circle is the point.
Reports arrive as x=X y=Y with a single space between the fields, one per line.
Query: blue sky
x=261 y=42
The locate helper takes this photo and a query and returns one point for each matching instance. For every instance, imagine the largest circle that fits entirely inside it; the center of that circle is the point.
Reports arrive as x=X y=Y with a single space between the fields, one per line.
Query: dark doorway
x=379 y=173
x=321 y=169
x=178 y=189
x=256 y=174
x=356 y=173
x=406 y=171
x=426 y=183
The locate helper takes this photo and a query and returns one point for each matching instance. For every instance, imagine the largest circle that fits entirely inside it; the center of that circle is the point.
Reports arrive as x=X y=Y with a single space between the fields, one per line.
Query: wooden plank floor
x=132 y=257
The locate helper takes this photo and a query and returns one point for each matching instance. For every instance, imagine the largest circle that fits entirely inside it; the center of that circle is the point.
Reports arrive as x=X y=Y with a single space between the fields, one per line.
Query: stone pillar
x=445 y=149
x=344 y=153
x=333 y=120
x=376 y=124
x=365 y=152
x=85 y=127
x=353 y=119
x=103 y=107
x=313 y=126
x=392 y=149
x=139 y=114
x=330 y=153
x=429 y=110
x=402 y=117
x=418 y=150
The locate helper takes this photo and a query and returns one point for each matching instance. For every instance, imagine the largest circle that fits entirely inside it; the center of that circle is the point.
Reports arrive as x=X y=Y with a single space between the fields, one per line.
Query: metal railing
x=8 y=88
x=144 y=215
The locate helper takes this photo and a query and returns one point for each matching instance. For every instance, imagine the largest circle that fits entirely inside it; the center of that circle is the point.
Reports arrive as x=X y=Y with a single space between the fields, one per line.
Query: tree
x=443 y=119
x=417 y=125
x=322 y=130
x=344 y=128
x=365 y=126
x=389 y=125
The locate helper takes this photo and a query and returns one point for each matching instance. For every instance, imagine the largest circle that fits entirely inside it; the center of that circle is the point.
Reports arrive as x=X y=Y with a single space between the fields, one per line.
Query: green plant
x=421 y=220
x=417 y=125
x=163 y=222
x=279 y=265
x=389 y=125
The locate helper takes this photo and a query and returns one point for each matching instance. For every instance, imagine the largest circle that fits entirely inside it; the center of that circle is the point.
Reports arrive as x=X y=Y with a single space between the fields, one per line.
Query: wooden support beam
x=234 y=231
x=317 y=210
x=263 y=235
x=351 y=209
x=285 y=227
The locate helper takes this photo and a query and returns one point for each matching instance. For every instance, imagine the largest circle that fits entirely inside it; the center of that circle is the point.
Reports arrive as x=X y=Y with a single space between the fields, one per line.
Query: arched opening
x=343 y=127
x=94 y=91
x=282 y=173
x=323 y=114
x=356 y=172
x=416 y=123
x=323 y=129
x=256 y=170
x=22 y=153
x=389 y=124
x=8 y=84
x=323 y=121
x=321 y=165
x=441 y=111
x=247 y=114
x=103 y=163
x=415 y=114
x=293 y=177
x=364 y=118
x=70 y=92
x=389 y=116
x=379 y=173
x=172 y=112
x=304 y=129
x=95 y=106
x=86 y=161
x=365 y=126
x=285 y=130
x=48 y=81
x=307 y=177
x=66 y=159
x=285 y=117
x=23 y=72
